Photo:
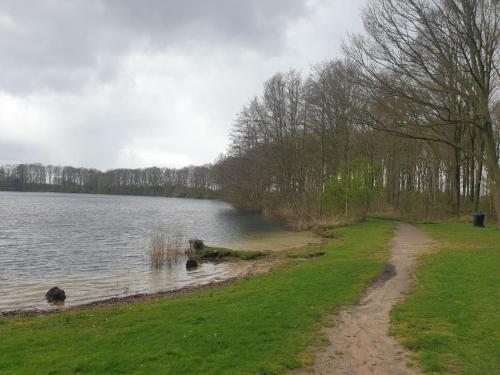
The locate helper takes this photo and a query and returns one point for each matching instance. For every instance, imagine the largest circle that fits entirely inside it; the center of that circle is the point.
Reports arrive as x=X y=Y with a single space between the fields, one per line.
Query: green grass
x=257 y=325
x=452 y=317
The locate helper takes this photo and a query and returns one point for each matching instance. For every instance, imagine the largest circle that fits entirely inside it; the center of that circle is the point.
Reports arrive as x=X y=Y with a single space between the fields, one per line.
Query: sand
x=276 y=241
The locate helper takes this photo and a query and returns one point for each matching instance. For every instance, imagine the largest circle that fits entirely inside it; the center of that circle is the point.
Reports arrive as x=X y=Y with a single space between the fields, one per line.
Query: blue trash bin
x=478 y=219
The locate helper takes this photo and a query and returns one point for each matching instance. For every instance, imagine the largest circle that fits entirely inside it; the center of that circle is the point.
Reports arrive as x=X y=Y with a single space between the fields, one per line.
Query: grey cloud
x=248 y=21
x=60 y=45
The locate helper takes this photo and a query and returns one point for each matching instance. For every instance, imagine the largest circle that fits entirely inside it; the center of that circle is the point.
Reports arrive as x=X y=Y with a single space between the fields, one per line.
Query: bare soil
x=359 y=343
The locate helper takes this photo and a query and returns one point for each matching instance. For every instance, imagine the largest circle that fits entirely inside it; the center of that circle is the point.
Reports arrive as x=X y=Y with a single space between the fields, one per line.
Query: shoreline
x=249 y=268
x=257 y=267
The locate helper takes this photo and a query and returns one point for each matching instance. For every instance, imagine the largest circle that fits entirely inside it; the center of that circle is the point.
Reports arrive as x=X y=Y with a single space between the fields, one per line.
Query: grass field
x=258 y=325
x=452 y=317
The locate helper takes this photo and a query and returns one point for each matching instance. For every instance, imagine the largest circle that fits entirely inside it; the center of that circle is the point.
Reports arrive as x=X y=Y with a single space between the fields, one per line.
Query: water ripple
x=96 y=246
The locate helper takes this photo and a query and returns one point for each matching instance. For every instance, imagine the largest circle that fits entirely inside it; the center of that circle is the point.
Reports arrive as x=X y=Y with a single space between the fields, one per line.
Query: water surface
x=96 y=246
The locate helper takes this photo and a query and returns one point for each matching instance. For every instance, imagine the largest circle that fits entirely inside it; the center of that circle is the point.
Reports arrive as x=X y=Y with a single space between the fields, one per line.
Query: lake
x=97 y=246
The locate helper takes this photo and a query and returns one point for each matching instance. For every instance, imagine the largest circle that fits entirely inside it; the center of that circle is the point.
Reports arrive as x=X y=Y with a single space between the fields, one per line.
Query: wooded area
x=408 y=122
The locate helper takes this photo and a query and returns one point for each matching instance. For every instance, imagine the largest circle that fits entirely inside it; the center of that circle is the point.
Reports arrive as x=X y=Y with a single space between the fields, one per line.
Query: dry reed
x=167 y=249
x=158 y=249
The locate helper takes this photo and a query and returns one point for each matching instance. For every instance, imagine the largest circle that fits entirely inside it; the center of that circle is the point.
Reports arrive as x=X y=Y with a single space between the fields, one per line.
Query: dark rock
x=196 y=244
x=55 y=294
x=191 y=263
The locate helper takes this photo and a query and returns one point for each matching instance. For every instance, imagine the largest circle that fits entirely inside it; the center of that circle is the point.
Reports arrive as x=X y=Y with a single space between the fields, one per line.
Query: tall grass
x=158 y=249
x=176 y=247
x=167 y=249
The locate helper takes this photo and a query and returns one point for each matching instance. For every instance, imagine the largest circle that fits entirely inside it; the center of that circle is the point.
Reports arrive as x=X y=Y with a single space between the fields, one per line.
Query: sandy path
x=359 y=343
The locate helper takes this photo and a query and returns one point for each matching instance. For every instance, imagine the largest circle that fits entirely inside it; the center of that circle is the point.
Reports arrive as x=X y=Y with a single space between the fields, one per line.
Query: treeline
x=193 y=181
x=408 y=121
x=299 y=151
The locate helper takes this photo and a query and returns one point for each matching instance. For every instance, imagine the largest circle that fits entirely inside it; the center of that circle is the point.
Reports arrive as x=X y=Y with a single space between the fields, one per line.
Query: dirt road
x=359 y=342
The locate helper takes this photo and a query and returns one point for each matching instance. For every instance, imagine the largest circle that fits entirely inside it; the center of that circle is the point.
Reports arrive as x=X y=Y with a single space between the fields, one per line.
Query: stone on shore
x=55 y=294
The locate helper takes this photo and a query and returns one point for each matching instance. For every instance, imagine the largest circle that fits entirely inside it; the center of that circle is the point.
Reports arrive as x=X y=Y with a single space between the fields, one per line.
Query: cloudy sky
x=129 y=83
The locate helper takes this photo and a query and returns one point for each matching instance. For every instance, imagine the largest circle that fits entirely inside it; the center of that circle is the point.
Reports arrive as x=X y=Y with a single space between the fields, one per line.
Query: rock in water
x=55 y=294
x=191 y=263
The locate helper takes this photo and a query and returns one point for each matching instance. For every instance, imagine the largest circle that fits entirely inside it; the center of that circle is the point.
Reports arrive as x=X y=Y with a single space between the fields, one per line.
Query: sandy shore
x=276 y=241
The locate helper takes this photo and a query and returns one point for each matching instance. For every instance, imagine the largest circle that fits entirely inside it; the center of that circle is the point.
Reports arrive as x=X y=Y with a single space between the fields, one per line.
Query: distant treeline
x=193 y=181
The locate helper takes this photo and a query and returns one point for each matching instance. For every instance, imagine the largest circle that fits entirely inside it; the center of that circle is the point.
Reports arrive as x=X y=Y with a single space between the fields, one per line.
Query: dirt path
x=359 y=343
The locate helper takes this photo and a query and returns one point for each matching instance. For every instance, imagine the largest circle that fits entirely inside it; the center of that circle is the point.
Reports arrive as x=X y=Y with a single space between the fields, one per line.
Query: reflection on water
x=96 y=246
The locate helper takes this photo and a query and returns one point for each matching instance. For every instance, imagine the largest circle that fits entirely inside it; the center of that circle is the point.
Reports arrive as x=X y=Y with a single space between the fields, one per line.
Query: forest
x=407 y=122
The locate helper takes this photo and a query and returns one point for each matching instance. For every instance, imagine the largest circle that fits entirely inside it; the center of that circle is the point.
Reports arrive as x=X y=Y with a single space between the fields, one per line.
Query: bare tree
x=430 y=69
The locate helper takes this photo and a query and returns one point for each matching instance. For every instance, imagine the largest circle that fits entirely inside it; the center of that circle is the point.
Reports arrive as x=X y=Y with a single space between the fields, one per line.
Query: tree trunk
x=492 y=165
x=456 y=184
x=479 y=176
x=496 y=202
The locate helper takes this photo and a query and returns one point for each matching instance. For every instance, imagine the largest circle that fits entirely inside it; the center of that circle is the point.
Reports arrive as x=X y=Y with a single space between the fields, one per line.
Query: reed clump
x=166 y=249
x=176 y=249
x=158 y=249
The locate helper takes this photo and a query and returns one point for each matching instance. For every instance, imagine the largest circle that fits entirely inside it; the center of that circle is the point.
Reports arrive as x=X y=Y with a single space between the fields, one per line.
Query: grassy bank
x=256 y=325
x=452 y=317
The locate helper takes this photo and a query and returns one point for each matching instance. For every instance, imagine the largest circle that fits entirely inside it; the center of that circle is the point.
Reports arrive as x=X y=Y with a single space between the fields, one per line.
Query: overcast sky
x=130 y=83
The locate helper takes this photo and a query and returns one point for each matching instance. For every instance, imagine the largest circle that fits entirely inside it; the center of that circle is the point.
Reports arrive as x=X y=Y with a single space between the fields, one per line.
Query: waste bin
x=478 y=219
